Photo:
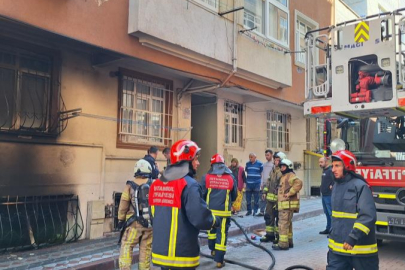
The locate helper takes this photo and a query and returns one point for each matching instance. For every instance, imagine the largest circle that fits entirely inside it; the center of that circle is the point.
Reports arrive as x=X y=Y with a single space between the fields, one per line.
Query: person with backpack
x=133 y=218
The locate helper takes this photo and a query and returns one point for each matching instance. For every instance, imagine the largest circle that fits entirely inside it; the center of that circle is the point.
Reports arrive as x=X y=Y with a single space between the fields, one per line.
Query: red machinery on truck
x=359 y=89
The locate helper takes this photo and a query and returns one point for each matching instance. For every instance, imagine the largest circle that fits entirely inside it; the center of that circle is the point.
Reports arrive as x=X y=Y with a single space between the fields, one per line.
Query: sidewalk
x=103 y=253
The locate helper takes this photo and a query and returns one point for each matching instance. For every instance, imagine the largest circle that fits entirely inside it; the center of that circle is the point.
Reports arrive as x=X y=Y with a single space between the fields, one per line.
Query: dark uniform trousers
x=270 y=218
x=218 y=237
x=341 y=262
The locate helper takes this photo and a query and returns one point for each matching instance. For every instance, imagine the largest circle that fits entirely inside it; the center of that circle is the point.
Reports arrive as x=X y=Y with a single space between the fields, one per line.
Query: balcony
x=195 y=32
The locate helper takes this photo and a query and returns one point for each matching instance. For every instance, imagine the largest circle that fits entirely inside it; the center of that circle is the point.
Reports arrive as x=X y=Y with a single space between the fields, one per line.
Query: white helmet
x=142 y=168
x=280 y=155
x=287 y=163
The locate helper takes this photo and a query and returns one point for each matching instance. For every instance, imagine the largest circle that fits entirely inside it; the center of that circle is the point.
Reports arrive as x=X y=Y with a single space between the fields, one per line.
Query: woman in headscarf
x=239 y=174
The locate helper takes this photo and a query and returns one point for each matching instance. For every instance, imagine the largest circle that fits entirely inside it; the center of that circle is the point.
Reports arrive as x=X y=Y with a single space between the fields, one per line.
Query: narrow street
x=310 y=249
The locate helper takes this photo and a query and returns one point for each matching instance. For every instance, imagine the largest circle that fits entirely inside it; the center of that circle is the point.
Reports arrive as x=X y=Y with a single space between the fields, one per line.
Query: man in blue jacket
x=254 y=169
x=178 y=211
x=352 y=241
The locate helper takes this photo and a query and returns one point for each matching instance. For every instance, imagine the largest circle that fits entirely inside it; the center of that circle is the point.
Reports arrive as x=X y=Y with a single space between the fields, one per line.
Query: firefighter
x=219 y=191
x=352 y=241
x=179 y=211
x=133 y=218
x=288 y=203
x=270 y=194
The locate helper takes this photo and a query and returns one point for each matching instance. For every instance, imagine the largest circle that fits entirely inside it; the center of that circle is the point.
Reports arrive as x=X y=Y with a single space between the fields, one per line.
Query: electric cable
x=273 y=259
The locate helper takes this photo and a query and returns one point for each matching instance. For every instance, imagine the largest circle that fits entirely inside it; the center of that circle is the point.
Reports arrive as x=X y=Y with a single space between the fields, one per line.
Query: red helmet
x=217 y=158
x=347 y=157
x=183 y=150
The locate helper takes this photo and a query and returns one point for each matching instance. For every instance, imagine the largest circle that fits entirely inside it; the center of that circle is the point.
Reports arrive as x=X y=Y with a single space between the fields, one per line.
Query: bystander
x=267 y=168
x=326 y=192
x=239 y=174
x=254 y=169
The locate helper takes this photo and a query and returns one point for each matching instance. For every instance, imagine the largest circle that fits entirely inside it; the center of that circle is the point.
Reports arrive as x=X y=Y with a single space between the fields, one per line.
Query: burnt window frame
x=52 y=125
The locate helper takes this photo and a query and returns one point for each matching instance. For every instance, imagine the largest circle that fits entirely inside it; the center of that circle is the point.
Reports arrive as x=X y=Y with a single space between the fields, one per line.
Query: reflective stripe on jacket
x=219 y=191
x=289 y=184
x=353 y=218
x=178 y=214
x=272 y=183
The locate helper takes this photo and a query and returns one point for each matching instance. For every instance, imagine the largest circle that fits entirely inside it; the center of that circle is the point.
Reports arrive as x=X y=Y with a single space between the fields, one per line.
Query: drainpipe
x=230 y=75
x=234 y=59
x=181 y=92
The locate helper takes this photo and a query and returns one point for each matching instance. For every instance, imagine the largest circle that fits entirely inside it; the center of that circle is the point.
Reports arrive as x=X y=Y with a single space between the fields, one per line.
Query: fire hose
x=273 y=259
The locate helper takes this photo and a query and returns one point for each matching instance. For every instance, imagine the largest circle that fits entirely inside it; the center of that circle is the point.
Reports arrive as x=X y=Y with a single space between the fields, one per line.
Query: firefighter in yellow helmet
x=288 y=203
x=134 y=221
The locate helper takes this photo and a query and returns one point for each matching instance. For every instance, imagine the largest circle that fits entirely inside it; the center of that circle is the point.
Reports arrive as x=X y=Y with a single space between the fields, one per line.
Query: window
x=253 y=15
x=278 y=23
x=283 y=2
x=145 y=109
x=233 y=123
x=271 y=17
x=212 y=4
x=26 y=101
x=303 y=24
x=301 y=29
x=278 y=130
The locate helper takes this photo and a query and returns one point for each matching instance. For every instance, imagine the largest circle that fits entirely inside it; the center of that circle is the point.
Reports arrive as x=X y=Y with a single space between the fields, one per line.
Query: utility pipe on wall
x=197 y=89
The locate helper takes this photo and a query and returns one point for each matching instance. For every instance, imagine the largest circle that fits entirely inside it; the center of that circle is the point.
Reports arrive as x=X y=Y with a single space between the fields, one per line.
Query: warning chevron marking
x=361 y=32
x=365 y=24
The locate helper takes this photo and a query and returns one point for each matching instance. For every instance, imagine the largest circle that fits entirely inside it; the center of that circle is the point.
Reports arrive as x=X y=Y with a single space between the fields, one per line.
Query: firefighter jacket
x=353 y=217
x=289 y=184
x=126 y=208
x=178 y=214
x=219 y=189
x=272 y=183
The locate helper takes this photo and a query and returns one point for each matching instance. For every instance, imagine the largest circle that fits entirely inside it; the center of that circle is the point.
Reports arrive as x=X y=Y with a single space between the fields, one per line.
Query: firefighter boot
x=276 y=239
x=267 y=238
x=277 y=247
x=220 y=265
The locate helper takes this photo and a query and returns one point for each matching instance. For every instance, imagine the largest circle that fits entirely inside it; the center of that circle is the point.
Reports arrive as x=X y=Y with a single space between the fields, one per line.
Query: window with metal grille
x=26 y=83
x=233 y=123
x=278 y=130
x=145 y=109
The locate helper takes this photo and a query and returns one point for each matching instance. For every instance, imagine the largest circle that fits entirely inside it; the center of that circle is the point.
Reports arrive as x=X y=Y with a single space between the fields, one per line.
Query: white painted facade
x=190 y=31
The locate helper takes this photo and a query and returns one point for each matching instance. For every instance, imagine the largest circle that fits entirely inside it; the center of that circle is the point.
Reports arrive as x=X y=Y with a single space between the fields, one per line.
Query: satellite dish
x=337 y=144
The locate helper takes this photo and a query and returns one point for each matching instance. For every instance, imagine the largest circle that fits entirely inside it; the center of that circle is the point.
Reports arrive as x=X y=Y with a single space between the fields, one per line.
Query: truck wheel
x=379 y=242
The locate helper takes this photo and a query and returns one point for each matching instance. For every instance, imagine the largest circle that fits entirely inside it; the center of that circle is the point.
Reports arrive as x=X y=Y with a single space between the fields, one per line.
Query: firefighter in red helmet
x=352 y=241
x=178 y=210
x=219 y=191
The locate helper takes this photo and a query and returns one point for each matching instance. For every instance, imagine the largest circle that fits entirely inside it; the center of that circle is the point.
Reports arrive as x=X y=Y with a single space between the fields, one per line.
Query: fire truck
x=354 y=85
